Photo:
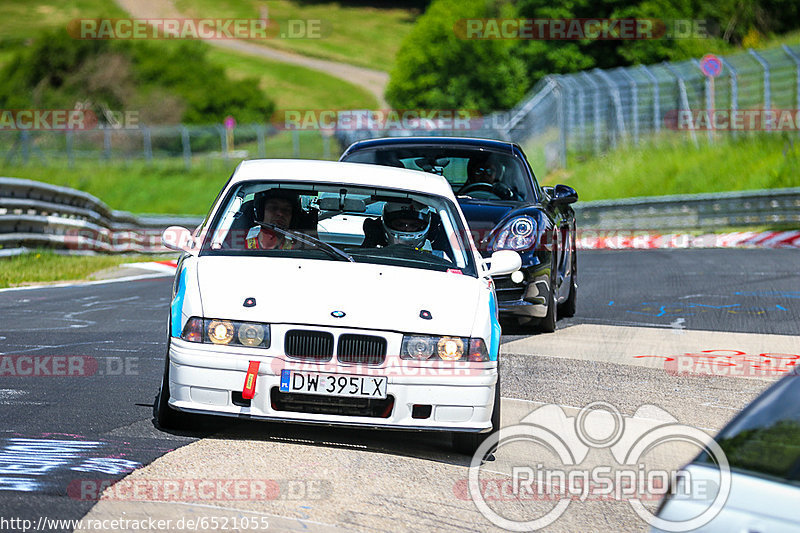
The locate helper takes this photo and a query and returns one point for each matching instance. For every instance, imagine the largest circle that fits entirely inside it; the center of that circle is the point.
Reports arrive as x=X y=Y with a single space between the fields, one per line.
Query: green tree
x=435 y=68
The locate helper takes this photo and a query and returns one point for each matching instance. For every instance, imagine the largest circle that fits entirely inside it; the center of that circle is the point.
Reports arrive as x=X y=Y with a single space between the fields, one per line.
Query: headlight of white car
x=225 y=332
x=424 y=347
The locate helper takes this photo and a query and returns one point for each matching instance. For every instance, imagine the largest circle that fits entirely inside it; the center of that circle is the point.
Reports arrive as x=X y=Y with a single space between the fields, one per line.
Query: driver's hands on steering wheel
x=501 y=190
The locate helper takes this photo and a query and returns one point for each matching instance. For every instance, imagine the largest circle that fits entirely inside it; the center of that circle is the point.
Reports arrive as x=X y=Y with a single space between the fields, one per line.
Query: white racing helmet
x=406 y=223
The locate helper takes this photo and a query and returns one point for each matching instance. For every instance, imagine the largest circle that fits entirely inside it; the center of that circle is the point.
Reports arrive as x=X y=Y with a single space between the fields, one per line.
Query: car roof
x=464 y=142
x=338 y=172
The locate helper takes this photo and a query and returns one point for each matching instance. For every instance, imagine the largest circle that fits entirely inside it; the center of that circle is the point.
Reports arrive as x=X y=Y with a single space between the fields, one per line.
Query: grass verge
x=40 y=266
x=363 y=35
x=673 y=165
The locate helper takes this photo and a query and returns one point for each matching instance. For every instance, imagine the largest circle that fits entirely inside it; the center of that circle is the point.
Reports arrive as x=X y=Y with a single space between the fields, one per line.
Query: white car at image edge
x=335 y=293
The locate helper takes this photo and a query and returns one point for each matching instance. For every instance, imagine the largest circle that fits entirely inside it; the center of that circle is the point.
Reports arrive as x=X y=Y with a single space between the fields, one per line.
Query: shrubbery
x=167 y=83
x=437 y=69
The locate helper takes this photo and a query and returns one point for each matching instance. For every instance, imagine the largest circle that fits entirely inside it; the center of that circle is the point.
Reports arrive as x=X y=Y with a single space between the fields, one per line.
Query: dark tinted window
x=765 y=438
x=462 y=167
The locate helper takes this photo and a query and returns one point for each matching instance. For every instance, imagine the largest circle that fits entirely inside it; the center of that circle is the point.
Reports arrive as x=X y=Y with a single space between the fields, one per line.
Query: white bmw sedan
x=339 y=294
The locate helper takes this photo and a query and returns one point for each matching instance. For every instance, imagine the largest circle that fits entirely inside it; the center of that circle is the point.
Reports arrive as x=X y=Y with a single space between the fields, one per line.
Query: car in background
x=506 y=209
x=339 y=294
x=762 y=447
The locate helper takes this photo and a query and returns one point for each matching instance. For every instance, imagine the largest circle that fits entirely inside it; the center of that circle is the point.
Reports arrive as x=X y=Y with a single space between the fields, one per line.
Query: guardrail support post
x=561 y=118
x=107 y=144
x=326 y=146
x=734 y=90
x=617 y=103
x=767 y=88
x=262 y=147
x=596 y=106
x=69 y=138
x=708 y=87
x=684 y=99
x=796 y=59
x=656 y=99
x=634 y=103
x=223 y=141
x=187 y=147
x=148 y=145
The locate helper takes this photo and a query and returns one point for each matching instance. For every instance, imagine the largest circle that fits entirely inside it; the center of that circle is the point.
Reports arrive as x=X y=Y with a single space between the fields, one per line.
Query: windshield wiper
x=308 y=239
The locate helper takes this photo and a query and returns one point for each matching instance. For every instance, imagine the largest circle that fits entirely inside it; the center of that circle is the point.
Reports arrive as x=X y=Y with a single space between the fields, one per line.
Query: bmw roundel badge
x=337 y=314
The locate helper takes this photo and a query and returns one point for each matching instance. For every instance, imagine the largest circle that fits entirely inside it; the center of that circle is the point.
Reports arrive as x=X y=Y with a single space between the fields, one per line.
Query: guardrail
x=693 y=211
x=35 y=214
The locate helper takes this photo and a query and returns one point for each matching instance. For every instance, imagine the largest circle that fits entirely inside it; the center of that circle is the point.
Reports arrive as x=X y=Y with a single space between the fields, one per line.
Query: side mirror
x=563 y=195
x=504 y=262
x=177 y=238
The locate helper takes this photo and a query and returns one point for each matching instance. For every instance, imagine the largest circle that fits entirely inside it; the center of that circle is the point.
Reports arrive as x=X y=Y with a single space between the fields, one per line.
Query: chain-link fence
x=595 y=110
x=191 y=144
x=592 y=111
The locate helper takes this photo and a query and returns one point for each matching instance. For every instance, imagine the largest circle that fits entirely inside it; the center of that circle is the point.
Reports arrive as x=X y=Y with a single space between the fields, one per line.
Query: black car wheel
x=468 y=443
x=567 y=309
x=547 y=324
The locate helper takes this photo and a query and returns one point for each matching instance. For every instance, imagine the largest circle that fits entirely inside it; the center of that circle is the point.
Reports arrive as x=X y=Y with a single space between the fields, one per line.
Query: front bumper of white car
x=429 y=395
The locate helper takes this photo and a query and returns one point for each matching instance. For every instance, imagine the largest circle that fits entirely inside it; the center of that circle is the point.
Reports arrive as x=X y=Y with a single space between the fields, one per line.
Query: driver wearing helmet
x=406 y=224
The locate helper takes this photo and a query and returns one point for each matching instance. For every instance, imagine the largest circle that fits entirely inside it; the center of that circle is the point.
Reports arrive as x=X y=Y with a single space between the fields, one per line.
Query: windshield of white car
x=473 y=173
x=341 y=222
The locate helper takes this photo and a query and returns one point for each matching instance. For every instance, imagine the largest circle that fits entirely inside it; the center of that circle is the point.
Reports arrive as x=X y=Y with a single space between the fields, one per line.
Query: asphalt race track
x=80 y=367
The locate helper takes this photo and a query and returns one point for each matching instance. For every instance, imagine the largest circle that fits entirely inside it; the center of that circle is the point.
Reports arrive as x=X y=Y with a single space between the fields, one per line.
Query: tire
x=567 y=309
x=167 y=417
x=547 y=324
x=468 y=443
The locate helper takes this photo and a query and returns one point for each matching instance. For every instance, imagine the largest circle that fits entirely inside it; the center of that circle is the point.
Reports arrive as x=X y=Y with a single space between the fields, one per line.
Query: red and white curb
x=630 y=240
x=166 y=267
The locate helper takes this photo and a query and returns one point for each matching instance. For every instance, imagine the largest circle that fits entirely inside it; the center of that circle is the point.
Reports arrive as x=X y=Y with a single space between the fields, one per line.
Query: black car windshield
x=473 y=172
x=765 y=439
x=341 y=223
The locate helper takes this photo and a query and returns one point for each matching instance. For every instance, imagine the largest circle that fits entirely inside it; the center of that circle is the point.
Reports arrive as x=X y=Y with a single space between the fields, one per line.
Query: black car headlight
x=519 y=233
x=226 y=332
x=444 y=348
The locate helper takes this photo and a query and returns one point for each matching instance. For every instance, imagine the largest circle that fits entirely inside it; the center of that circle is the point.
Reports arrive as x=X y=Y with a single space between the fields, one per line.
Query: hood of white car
x=311 y=291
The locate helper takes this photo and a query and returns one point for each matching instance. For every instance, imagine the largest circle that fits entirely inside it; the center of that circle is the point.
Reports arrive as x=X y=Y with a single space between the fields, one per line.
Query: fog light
x=517 y=277
x=251 y=334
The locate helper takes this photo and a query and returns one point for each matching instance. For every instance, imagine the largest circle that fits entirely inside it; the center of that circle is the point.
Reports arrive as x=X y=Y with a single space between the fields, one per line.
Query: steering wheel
x=501 y=190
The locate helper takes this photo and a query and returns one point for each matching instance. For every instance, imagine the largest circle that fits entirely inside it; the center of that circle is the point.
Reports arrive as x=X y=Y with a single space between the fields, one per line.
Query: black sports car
x=506 y=209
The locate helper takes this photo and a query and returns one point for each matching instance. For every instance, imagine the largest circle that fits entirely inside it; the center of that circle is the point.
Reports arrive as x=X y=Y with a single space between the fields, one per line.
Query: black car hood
x=483 y=216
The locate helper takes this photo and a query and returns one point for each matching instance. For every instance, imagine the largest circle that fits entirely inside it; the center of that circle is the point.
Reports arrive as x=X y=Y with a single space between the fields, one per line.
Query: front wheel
x=468 y=443
x=547 y=324
x=167 y=417
x=567 y=309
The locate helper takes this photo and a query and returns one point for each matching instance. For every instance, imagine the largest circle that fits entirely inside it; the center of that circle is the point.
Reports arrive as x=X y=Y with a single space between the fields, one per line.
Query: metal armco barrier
x=695 y=211
x=35 y=214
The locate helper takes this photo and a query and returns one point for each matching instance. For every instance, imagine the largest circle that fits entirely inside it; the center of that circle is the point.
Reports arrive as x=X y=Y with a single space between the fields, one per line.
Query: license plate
x=334 y=384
